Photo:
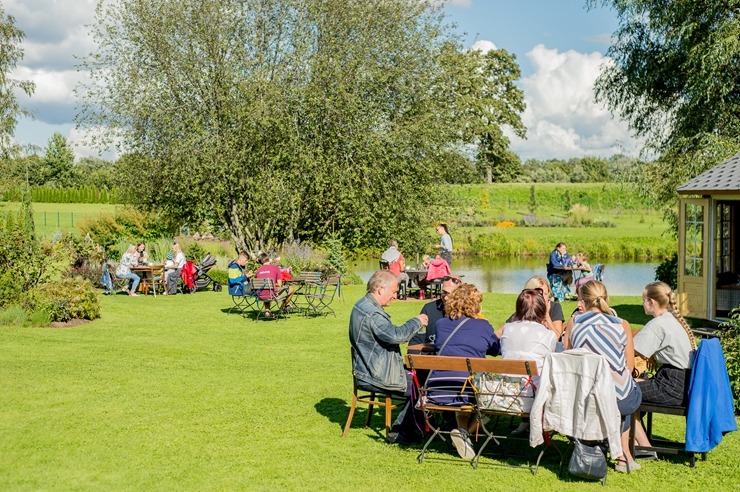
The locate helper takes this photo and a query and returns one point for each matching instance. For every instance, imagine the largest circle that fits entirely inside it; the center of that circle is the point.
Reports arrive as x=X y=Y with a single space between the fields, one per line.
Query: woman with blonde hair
x=128 y=260
x=668 y=340
x=554 y=317
x=462 y=333
x=597 y=329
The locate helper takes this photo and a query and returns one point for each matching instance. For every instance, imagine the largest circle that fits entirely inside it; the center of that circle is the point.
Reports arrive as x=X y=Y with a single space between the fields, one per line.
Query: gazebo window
x=694 y=224
x=724 y=236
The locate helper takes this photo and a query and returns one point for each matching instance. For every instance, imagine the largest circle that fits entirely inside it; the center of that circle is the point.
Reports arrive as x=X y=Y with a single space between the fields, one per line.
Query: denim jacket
x=377 y=359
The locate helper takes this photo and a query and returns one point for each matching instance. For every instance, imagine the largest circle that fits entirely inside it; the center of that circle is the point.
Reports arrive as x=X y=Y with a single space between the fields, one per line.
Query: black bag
x=588 y=461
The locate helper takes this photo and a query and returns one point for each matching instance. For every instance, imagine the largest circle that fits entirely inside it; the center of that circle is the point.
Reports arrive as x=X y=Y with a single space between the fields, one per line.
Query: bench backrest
x=437 y=363
x=500 y=366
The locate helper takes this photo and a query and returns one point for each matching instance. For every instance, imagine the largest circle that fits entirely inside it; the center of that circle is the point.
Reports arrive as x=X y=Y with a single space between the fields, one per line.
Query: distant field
x=51 y=218
x=632 y=230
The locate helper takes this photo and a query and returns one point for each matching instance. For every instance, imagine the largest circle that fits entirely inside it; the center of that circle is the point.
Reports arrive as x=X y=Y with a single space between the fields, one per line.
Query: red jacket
x=188 y=275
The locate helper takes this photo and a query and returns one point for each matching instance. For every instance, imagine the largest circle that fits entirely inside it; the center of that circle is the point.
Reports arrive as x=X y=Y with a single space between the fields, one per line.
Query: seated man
x=560 y=264
x=377 y=364
x=435 y=310
x=238 y=278
x=396 y=262
x=283 y=293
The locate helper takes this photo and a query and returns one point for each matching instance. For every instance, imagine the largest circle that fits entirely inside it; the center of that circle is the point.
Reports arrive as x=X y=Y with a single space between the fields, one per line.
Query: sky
x=559 y=45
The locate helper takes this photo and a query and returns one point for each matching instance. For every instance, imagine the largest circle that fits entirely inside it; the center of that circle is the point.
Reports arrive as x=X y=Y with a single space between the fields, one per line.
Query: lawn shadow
x=337 y=410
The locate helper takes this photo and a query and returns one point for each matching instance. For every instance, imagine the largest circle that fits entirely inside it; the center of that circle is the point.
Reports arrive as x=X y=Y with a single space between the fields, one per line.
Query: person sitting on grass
x=461 y=333
x=281 y=294
x=128 y=260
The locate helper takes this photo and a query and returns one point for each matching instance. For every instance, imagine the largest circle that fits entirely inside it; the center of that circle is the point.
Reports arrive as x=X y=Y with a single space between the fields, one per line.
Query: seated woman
x=526 y=337
x=599 y=331
x=172 y=275
x=554 y=318
x=668 y=340
x=437 y=269
x=128 y=260
x=141 y=257
x=462 y=333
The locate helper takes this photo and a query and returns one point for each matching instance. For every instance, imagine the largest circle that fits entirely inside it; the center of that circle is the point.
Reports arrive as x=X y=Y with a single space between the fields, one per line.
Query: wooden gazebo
x=708 y=234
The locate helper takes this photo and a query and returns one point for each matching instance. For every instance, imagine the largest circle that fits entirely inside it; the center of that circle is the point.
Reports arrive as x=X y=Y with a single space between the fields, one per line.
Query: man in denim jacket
x=378 y=365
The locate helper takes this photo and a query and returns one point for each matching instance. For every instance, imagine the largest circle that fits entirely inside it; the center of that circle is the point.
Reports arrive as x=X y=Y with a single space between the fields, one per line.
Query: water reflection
x=508 y=275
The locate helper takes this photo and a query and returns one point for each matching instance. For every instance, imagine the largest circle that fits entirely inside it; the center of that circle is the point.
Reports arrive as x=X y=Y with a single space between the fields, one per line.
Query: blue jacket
x=558 y=261
x=711 y=407
x=375 y=339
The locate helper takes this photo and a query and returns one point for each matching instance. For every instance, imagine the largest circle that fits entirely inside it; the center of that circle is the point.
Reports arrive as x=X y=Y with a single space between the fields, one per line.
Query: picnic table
x=150 y=276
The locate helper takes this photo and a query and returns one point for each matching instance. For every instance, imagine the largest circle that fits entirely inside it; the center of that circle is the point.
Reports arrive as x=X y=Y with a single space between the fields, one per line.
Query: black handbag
x=588 y=461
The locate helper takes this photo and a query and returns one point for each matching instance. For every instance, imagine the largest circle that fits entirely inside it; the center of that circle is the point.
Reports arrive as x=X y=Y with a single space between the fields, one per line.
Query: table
x=149 y=274
x=415 y=274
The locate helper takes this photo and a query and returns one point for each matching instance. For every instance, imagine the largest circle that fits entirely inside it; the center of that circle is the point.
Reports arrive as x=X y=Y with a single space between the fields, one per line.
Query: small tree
x=532 y=200
x=59 y=161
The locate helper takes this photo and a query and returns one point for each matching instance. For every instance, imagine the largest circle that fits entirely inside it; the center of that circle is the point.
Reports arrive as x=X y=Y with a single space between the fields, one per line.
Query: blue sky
x=559 y=46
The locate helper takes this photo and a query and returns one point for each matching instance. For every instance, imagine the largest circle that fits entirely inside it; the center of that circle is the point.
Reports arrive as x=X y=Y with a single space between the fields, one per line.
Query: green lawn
x=51 y=218
x=175 y=393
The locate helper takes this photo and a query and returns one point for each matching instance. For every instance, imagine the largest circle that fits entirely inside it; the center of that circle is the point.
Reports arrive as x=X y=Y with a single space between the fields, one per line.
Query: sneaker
x=462 y=443
x=521 y=430
x=644 y=454
x=621 y=466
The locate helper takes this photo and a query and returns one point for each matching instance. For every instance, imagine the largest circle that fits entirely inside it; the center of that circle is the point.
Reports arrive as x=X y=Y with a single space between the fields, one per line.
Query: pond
x=508 y=275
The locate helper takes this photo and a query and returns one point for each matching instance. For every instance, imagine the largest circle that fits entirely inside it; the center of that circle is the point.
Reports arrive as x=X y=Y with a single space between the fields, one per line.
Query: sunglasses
x=454 y=280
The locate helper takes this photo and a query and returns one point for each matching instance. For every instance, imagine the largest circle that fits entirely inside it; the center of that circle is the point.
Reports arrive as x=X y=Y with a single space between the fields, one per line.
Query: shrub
x=335 y=262
x=219 y=276
x=667 y=271
x=64 y=300
x=506 y=223
x=126 y=224
x=12 y=316
x=730 y=340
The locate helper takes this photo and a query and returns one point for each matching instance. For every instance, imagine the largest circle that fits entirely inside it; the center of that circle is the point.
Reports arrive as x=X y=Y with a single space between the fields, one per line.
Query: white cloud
x=562 y=117
x=483 y=46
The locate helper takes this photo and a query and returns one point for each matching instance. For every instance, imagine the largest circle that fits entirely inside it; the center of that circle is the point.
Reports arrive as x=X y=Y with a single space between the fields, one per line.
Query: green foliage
x=667 y=271
x=532 y=200
x=12 y=316
x=195 y=252
x=220 y=276
x=730 y=339
x=53 y=194
x=11 y=39
x=296 y=118
x=675 y=80
x=335 y=262
x=566 y=201
x=126 y=224
x=63 y=300
x=59 y=161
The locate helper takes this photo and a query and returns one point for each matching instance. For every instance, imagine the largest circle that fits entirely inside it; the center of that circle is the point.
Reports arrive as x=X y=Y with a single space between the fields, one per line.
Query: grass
x=51 y=218
x=175 y=393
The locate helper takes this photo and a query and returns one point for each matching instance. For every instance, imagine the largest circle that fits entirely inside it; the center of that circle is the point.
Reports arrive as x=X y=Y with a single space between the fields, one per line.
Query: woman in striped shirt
x=597 y=329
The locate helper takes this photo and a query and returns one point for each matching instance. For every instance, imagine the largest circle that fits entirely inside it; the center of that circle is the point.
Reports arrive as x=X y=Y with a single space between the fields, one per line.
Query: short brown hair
x=531 y=306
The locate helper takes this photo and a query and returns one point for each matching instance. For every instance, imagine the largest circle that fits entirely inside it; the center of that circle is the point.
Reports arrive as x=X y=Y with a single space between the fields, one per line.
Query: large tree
x=10 y=54
x=675 y=79
x=289 y=118
x=59 y=159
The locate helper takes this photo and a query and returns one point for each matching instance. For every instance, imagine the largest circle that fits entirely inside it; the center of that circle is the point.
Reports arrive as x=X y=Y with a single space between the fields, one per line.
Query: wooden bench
x=473 y=367
x=661 y=446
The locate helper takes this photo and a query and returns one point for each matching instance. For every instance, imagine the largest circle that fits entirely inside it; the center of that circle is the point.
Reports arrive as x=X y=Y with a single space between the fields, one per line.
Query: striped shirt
x=604 y=334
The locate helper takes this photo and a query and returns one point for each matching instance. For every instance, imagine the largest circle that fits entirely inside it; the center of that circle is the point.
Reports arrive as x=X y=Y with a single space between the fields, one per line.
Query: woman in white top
x=526 y=337
x=173 y=274
x=128 y=260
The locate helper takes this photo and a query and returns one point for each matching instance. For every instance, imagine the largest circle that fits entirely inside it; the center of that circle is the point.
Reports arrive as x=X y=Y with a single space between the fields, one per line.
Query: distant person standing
x=445 y=243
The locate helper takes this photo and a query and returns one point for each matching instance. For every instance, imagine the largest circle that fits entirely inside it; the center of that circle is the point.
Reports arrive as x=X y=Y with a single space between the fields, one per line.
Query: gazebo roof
x=723 y=178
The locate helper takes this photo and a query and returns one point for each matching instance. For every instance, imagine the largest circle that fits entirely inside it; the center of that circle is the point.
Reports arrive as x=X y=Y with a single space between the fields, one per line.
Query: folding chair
x=308 y=283
x=389 y=401
x=434 y=391
x=504 y=389
x=319 y=301
x=266 y=294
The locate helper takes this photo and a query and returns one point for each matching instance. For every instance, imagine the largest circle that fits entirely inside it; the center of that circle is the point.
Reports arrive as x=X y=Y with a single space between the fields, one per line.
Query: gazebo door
x=693 y=256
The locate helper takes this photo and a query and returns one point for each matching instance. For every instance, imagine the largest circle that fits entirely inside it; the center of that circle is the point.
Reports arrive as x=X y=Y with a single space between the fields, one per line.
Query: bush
x=13 y=316
x=219 y=276
x=64 y=300
x=127 y=224
x=667 y=271
x=730 y=340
